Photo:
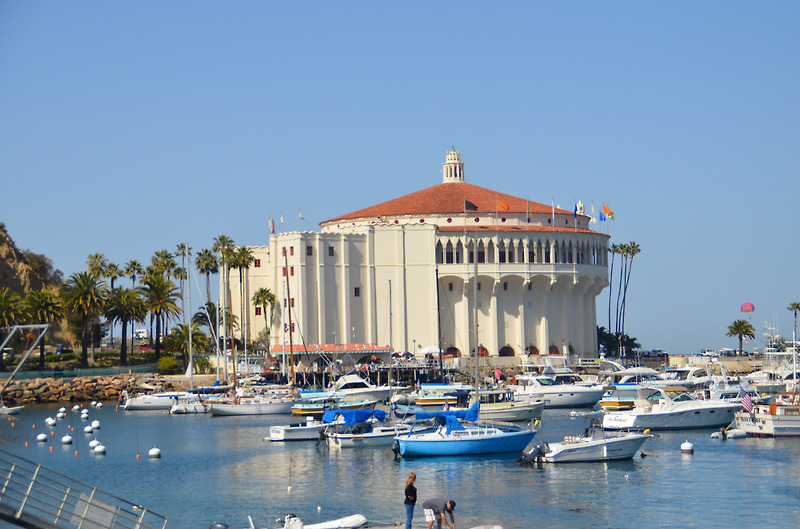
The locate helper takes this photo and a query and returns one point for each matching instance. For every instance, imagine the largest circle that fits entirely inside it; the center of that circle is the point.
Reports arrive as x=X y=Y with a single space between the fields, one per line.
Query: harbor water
x=221 y=469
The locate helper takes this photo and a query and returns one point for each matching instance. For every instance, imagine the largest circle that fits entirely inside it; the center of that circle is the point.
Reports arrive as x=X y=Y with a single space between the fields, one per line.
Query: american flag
x=747 y=403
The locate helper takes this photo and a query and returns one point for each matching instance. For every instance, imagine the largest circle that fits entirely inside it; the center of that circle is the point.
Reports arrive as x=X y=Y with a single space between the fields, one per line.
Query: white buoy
x=76 y=408
x=42 y=437
x=687 y=448
x=94 y=403
x=61 y=415
x=95 y=424
x=100 y=449
x=93 y=443
x=154 y=453
x=99 y=405
x=84 y=416
x=88 y=429
x=62 y=410
x=66 y=440
x=50 y=421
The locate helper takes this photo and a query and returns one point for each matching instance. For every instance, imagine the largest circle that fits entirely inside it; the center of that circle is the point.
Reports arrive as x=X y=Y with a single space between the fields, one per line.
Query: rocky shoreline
x=82 y=389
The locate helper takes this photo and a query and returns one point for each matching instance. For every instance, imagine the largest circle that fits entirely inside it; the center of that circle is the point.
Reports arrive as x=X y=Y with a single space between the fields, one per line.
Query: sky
x=131 y=127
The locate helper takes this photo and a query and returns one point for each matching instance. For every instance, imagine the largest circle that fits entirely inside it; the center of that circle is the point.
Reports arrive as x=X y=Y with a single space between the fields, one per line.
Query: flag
x=299 y=215
x=502 y=205
x=592 y=219
x=608 y=212
x=575 y=211
x=747 y=403
x=496 y=373
x=281 y=219
x=271 y=226
x=469 y=206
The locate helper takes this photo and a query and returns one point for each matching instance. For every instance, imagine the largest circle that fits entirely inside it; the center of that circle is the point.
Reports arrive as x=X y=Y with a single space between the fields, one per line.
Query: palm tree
x=112 y=272
x=84 y=294
x=184 y=251
x=242 y=259
x=43 y=306
x=133 y=270
x=178 y=340
x=11 y=311
x=632 y=249
x=224 y=246
x=125 y=305
x=206 y=263
x=161 y=296
x=264 y=298
x=741 y=328
x=97 y=264
x=794 y=307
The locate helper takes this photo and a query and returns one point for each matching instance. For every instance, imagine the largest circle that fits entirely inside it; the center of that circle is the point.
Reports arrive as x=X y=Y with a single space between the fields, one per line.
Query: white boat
x=454 y=437
x=556 y=395
x=151 y=401
x=501 y=404
x=187 y=405
x=11 y=410
x=660 y=411
x=780 y=418
x=355 y=387
x=594 y=445
x=348 y=522
x=361 y=428
x=305 y=431
x=432 y=396
x=255 y=405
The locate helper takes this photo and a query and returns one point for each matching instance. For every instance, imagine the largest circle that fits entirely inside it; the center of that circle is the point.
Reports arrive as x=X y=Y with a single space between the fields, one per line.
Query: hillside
x=15 y=272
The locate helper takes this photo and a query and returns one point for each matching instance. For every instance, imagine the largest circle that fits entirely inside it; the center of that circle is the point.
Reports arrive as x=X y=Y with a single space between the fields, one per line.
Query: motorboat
x=594 y=445
x=11 y=410
x=355 y=387
x=431 y=396
x=459 y=432
x=619 y=397
x=670 y=409
x=360 y=428
x=302 y=431
x=348 y=522
x=555 y=395
x=501 y=404
x=779 y=418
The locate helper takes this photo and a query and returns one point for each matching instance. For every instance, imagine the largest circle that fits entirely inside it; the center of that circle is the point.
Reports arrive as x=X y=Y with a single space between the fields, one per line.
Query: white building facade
x=455 y=265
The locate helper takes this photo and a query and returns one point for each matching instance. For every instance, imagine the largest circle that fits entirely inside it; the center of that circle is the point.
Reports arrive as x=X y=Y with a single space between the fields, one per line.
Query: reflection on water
x=221 y=469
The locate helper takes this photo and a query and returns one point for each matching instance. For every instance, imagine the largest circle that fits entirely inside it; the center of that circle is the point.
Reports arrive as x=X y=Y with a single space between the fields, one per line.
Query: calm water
x=222 y=469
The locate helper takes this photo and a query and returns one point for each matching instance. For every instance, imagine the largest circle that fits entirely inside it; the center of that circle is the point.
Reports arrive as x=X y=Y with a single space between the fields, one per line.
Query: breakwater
x=79 y=389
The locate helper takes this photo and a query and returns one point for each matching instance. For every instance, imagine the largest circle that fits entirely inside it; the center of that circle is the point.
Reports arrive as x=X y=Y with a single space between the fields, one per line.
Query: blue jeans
x=409 y=515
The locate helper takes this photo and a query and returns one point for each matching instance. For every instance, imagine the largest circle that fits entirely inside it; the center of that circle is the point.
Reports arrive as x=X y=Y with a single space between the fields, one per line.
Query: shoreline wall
x=80 y=389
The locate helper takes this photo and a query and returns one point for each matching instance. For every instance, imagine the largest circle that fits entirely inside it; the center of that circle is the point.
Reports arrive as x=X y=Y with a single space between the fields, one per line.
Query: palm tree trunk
x=123 y=349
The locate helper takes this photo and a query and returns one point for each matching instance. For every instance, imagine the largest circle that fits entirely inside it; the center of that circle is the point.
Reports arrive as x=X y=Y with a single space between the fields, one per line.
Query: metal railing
x=35 y=497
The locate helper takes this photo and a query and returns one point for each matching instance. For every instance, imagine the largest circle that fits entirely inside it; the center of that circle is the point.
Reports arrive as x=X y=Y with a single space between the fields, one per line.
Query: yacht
x=780 y=418
x=555 y=395
x=661 y=411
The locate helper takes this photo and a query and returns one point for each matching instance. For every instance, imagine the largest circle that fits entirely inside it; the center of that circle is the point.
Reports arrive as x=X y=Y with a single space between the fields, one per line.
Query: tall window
x=258 y=311
x=330 y=251
x=357 y=291
x=256 y=263
x=309 y=250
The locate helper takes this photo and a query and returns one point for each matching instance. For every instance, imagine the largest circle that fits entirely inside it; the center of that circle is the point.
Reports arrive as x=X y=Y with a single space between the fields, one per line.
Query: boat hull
x=760 y=424
x=464 y=442
x=380 y=436
x=304 y=432
x=710 y=417
x=255 y=408
x=589 y=450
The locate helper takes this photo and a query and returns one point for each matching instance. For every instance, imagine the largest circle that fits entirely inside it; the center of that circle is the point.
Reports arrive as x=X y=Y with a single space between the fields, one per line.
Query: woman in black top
x=411 y=498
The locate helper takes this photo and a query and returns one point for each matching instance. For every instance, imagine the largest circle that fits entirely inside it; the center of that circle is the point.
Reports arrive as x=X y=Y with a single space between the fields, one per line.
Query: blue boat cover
x=353 y=416
x=450 y=418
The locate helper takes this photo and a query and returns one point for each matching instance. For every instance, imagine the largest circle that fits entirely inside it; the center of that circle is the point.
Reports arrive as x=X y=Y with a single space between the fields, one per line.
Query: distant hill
x=17 y=270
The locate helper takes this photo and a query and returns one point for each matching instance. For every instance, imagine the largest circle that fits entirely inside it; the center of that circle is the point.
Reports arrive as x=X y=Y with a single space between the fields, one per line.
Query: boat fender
x=292 y=522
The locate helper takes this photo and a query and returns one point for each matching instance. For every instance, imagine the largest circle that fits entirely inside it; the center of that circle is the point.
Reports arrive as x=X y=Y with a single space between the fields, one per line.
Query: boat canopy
x=353 y=416
x=450 y=418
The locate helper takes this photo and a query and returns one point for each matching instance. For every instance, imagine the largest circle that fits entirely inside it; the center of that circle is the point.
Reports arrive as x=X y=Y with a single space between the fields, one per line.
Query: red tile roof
x=448 y=198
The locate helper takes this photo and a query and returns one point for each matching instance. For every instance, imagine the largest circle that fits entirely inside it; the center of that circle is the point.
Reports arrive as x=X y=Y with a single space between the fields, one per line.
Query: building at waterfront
x=453 y=265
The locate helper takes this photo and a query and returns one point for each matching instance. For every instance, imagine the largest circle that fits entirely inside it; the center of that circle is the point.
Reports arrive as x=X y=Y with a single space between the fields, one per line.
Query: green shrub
x=202 y=364
x=167 y=365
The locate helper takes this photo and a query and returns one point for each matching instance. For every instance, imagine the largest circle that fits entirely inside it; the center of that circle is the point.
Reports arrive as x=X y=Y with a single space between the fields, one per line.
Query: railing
x=35 y=497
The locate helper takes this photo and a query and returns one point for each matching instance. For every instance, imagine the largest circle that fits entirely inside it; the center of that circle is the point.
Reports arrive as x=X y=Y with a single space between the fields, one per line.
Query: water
x=220 y=469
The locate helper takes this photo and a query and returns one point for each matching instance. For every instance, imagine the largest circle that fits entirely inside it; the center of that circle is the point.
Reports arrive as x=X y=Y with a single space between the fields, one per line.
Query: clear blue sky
x=129 y=127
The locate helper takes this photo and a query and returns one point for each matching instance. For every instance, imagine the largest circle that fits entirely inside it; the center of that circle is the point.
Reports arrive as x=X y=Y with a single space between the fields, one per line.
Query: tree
x=43 y=306
x=133 y=270
x=794 y=307
x=161 y=296
x=224 y=246
x=112 y=272
x=631 y=250
x=206 y=263
x=264 y=298
x=242 y=259
x=742 y=329
x=125 y=305
x=11 y=311
x=96 y=264
x=84 y=294
x=178 y=340
x=184 y=251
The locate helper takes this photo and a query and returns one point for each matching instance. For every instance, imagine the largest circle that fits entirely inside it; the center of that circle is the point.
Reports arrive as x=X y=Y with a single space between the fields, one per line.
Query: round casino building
x=416 y=271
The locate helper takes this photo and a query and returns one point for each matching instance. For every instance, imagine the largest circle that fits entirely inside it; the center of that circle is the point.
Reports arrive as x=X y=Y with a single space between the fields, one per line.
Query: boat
x=555 y=395
x=265 y=404
x=309 y=430
x=501 y=404
x=458 y=432
x=658 y=410
x=188 y=404
x=432 y=396
x=318 y=408
x=621 y=396
x=360 y=428
x=355 y=387
x=150 y=401
x=779 y=418
x=348 y=522
x=10 y=410
x=594 y=445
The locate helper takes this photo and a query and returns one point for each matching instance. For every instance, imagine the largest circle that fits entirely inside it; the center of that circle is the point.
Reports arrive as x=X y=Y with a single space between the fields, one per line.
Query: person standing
x=435 y=510
x=411 y=499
